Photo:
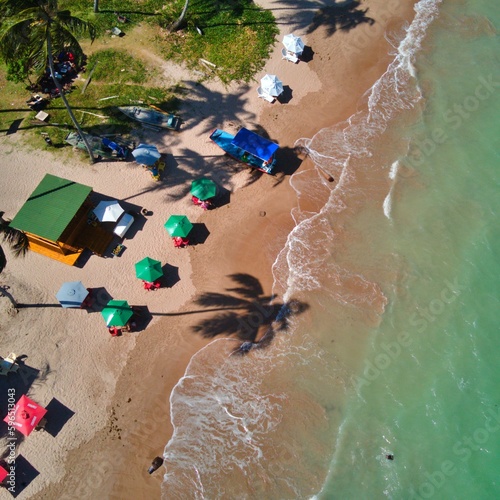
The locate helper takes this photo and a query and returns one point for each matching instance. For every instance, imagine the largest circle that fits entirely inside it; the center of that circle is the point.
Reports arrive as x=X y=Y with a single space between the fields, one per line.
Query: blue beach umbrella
x=72 y=294
x=146 y=154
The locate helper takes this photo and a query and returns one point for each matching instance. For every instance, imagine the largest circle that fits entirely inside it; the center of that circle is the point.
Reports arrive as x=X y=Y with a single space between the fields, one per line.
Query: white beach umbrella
x=293 y=44
x=271 y=85
x=108 y=211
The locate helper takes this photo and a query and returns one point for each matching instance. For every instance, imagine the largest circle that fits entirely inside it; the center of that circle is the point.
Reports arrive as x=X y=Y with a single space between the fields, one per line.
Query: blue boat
x=247 y=147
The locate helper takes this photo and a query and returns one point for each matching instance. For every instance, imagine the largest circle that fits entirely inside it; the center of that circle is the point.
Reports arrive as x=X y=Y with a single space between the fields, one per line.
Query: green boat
x=102 y=147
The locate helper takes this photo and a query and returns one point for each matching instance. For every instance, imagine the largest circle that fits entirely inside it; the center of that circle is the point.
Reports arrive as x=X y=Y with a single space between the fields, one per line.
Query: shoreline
x=322 y=116
x=137 y=420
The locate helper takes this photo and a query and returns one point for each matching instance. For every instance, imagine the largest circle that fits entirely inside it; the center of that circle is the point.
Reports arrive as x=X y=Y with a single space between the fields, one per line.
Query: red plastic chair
x=115 y=332
x=205 y=204
x=151 y=286
x=180 y=242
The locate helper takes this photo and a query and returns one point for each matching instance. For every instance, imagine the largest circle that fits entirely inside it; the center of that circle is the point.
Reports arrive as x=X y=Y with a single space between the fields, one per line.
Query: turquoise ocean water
x=397 y=353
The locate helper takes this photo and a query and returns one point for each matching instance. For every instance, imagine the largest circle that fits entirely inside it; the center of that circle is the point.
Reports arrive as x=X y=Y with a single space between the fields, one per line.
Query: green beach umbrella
x=117 y=313
x=148 y=269
x=178 y=225
x=203 y=189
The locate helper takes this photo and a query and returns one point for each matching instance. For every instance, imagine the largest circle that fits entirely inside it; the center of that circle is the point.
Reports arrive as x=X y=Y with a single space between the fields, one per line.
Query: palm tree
x=177 y=24
x=39 y=28
x=17 y=240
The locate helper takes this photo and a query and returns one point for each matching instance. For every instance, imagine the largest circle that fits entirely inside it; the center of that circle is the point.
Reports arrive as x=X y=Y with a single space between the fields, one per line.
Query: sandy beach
x=114 y=392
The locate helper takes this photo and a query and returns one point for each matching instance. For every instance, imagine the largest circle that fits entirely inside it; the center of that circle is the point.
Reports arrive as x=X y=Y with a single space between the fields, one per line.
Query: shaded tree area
x=230 y=39
x=32 y=32
x=245 y=312
x=342 y=16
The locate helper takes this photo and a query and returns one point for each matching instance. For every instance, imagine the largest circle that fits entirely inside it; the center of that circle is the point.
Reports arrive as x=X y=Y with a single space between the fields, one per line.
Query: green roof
x=51 y=207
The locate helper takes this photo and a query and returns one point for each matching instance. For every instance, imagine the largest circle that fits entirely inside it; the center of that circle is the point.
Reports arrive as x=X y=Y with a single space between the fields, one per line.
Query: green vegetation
x=32 y=33
x=135 y=11
x=117 y=66
x=111 y=86
x=235 y=35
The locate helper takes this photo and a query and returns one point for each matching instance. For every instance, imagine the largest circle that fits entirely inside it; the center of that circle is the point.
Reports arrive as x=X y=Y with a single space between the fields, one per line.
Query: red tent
x=3 y=473
x=26 y=415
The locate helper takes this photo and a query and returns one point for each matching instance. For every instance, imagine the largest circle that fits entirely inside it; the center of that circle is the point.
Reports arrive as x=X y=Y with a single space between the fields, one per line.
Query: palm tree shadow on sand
x=246 y=314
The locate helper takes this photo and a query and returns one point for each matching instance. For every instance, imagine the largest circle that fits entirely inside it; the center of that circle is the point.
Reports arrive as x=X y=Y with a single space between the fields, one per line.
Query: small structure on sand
x=56 y=220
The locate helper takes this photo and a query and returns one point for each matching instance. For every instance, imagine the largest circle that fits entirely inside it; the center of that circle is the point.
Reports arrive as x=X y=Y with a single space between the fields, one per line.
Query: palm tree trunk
x=63 y=97
x=177 y=24
x=5 y=293
x=96 y=5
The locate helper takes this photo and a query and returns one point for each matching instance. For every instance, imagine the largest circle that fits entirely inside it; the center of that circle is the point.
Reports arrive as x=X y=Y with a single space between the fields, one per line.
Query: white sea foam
x=387 y=205
x=217 y=427
x=396 y=91
x=335 y=149
x=222 y=416
x=221 y=413
x=394 y=170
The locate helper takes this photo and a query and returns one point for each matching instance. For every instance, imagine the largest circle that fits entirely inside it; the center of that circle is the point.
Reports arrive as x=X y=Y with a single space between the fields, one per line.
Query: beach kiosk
x=247 y=147
x=56 y=221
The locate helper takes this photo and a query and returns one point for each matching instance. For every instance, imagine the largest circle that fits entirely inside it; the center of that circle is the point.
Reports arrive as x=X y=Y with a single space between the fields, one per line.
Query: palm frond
x=225 y=323
x=75 y=24
x=17 y=240
x=3 y=260
x=250 y=286
x=13 y=38
x=9 y=8
x=211 y=299
x=63 y=41
x=29 y=27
